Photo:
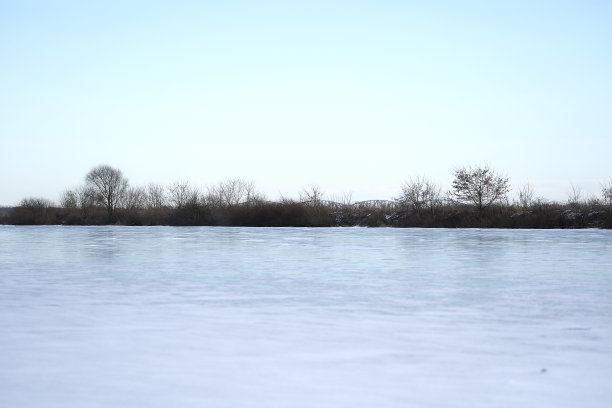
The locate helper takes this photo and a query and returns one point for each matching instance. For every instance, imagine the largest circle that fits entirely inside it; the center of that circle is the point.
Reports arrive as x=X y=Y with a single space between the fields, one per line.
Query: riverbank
x=322 y=214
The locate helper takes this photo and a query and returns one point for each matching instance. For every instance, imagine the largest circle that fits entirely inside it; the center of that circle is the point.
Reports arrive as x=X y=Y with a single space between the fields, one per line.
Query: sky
x=351 y=96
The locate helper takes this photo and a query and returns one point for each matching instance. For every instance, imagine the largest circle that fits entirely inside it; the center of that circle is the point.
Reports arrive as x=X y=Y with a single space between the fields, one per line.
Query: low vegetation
x=478 y=198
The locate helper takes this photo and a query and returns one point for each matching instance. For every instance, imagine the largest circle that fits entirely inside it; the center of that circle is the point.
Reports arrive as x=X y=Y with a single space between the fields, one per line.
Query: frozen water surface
x=289 y=317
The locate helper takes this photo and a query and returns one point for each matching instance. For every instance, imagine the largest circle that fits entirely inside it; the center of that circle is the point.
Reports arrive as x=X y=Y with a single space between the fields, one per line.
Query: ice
x=289 y=317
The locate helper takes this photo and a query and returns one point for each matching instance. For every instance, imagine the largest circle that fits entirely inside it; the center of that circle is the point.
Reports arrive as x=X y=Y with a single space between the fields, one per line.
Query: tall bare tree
x=108 y=186
x=480 y=186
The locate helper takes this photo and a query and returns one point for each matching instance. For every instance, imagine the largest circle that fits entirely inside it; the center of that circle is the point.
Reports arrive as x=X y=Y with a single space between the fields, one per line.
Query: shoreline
x=294 y=214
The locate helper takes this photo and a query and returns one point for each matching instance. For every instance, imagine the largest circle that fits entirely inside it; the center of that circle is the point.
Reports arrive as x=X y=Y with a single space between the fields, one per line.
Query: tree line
x=478 y=198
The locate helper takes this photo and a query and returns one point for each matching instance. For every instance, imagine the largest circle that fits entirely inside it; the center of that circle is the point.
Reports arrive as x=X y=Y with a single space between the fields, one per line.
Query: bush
x=33 y=211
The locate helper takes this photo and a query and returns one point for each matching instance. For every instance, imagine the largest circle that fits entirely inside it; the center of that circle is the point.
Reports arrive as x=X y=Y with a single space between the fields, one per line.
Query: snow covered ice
x=290 y=317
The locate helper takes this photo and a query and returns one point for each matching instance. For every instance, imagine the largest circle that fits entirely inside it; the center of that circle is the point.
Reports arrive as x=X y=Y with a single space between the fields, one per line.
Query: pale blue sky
x=349 y=95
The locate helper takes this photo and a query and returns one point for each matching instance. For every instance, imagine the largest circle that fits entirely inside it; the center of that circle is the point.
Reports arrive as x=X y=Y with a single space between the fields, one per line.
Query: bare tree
x=133 y=202
x=33 y=210
x=108 y=187
x=69 y=200
x=480 y=186
x=232 y=192
x=526 y=195
x=80 y=198
x=156 y=196
x=312 y=196
x=135 y=198
x=606 y=192
x=182 y=194
x=419 y=193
